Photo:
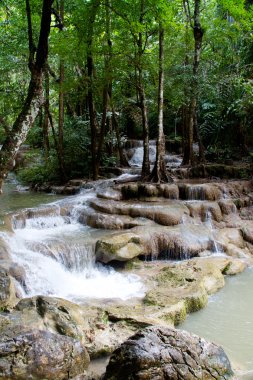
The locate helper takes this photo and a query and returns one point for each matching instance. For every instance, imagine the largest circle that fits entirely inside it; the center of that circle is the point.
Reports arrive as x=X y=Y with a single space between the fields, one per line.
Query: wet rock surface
x=165 y=213
x=7 y=290
x=177 y=242
x=161 y=353
x=37 y=354
x=159 y=222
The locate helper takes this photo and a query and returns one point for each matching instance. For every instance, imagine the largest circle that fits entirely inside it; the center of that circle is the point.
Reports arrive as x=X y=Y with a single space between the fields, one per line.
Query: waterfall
x=195 y=193
x=57 y=254
x=217 y=248
x=137 y=157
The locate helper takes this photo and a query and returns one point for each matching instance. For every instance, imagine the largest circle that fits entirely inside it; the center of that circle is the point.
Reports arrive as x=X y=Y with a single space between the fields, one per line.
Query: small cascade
x=216 y=247
x=137 y=158
x=173 y=161
x=134 y=150
x=225 y=193
x=43 y=217
x=47 y=222
x=186 y=220
x=58 y=266
x=195 y=192
x=176 y=253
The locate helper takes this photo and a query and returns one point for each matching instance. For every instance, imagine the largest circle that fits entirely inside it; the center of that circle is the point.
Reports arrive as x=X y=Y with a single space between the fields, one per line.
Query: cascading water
x=137 y=157
x=217 y=248
x=195 y=193
x=57 y=254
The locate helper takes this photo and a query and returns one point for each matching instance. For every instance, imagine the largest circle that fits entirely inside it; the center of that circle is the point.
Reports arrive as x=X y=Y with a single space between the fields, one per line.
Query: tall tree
x=142 y=95
x=94 y=5
x=34 y=98
x=191 y=124
x=61 y=97
x=159 y=172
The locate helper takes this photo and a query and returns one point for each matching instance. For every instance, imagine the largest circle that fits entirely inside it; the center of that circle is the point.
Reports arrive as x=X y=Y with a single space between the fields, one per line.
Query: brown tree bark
x=192 y=120
x=34 y=98
x=94 y=5
x=107 y=86
x=61 y=101
x=159 y=173
x=46 y=117
x=122 y=157
x=142 y=98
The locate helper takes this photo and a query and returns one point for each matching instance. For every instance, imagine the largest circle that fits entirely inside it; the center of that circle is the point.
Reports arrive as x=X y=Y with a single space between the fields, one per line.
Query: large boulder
x=54 y=314
x=162 y=353
x=121 y=247
x=37 y=354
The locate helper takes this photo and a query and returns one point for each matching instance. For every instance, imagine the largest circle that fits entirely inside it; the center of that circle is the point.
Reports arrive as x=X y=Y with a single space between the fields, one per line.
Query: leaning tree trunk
x=34 y=99
x=159 y=173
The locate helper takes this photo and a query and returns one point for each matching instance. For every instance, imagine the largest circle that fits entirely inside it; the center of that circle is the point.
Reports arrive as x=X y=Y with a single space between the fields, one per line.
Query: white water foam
x=217 y=248
x=137 y=157
x=58 y=263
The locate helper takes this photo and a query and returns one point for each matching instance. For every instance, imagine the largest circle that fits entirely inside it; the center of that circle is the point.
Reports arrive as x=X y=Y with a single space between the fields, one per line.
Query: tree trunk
x=61 y=102
x=192 y=119
x=122 y=157
x=102 y=129
x=142 y=98
x=107 y=86
x=46 y=117
x=198 y=37
x=92 y=111
x=34 y=98
x=159 y=172
x=201 y=157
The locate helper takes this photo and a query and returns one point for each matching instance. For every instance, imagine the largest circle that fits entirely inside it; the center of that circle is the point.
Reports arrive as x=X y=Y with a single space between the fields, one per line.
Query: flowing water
x=137 y=157
x=228 y=321
x=57 y=252
x=15 y=198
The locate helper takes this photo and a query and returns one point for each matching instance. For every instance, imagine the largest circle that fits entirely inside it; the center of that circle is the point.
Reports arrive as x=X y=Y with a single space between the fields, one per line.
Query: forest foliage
x=102 y=75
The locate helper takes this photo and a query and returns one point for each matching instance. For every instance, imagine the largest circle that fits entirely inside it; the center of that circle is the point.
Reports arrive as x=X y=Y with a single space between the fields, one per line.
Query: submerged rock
x=162 y=353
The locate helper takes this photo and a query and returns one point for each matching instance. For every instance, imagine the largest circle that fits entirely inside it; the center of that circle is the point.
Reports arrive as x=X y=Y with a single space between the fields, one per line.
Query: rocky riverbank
x=148 y=230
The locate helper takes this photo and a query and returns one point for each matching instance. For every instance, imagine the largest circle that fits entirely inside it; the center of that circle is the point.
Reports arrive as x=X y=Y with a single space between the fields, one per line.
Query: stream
x=57 y=253
x=14 y=197
x=228 y=321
